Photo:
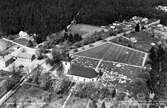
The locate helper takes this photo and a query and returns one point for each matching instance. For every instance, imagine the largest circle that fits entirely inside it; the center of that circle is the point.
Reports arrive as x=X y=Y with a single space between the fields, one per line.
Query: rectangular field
x=114 y=52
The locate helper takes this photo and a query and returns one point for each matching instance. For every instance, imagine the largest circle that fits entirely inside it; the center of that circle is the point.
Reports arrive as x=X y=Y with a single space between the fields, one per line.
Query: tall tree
x=158 y=74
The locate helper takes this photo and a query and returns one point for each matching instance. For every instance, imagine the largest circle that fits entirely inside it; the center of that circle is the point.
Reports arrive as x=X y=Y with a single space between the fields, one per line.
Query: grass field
x=114 y=52
x=83 y=29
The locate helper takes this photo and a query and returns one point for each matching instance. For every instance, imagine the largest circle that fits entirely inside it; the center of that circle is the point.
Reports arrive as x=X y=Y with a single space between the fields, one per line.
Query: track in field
x=115 y=52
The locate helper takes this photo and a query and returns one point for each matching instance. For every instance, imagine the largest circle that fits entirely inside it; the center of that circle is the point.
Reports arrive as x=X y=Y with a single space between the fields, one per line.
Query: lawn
x=83 y=29
x=114 y=52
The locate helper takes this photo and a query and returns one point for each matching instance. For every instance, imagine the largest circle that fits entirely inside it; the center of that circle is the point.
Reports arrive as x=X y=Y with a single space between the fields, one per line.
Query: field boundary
x=127 y=47
x=88 y=48
x=145 y=58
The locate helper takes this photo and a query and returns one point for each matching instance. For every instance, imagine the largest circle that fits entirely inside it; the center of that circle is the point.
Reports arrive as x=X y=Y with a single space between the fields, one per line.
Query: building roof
x=86 y=72
x=25 y=55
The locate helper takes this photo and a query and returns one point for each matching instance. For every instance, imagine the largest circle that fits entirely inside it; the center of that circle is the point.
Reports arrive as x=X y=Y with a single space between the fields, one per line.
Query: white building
x=6 y=62
x=24 y=59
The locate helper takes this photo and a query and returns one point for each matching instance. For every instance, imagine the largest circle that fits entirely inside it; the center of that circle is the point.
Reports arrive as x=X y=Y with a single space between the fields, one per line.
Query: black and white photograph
x=83 y=53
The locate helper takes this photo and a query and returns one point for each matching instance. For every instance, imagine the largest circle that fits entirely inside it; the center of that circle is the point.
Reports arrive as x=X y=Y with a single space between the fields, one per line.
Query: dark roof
x=82 y=71
x=9 y=61
x=22 y=41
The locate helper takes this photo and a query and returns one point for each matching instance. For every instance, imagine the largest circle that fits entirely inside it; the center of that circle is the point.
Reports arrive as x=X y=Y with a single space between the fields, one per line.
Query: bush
x=78 y=44
x=104 y=40
x=91 y=45
x=76 y=50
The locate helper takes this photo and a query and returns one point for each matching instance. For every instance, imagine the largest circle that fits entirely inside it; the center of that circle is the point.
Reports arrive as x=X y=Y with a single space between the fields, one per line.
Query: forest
x=44 y=17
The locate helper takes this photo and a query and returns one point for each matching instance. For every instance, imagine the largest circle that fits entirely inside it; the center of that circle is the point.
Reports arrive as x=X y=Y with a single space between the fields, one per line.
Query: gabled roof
x=86 y=72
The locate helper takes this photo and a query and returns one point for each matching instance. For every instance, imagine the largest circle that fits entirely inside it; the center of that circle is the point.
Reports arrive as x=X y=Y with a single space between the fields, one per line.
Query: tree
x=45 y=81
x=9 y=84
x=56 y=57
x=137 y=28
x=30 y=43
x=44 y=17
x=36 y=74
x=100 y=74
x=158 y=75
x=103 y=105
x=92 y=104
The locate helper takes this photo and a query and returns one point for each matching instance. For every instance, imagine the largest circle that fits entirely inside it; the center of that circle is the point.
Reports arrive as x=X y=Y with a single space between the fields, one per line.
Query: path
x=144 y=59
x=68 y=97
x=87 y=106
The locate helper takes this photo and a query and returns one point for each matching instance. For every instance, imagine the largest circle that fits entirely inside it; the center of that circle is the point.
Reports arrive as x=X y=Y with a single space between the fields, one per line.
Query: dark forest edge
x=44 y=17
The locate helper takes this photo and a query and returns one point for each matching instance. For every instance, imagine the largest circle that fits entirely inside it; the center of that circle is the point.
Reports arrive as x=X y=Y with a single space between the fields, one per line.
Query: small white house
x=6 y=61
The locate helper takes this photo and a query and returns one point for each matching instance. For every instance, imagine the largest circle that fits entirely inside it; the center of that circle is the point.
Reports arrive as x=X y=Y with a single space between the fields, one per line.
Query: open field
x=83 y=29
x=114 y=52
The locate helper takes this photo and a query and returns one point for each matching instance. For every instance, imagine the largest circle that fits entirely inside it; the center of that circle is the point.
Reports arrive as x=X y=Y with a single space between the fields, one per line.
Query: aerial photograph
x=83 y=53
